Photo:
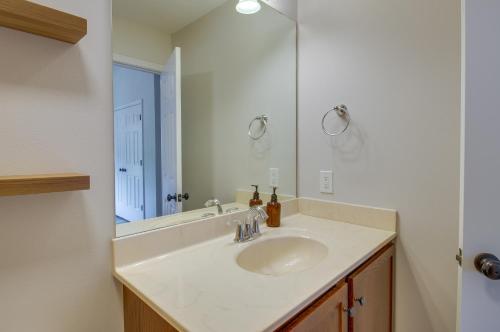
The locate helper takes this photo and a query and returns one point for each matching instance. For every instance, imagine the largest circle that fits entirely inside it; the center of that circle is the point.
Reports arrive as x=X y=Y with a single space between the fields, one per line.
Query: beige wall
x=235 y=67
x=55 y=249
x=141 y=42
x=396 y=64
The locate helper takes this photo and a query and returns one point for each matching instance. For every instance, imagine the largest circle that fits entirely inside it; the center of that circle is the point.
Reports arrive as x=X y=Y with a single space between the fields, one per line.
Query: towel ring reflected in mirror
x=263 y=120
x=342 y=112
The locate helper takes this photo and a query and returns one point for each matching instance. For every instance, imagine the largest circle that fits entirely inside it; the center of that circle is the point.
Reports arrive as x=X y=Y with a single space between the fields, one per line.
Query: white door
x=129 y=175
x=171 y=152
x=479 y=296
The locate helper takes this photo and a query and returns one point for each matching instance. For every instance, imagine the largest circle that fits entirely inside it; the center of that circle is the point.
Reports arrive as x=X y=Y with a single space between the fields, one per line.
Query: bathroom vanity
x=344 y=307
x=328 y=268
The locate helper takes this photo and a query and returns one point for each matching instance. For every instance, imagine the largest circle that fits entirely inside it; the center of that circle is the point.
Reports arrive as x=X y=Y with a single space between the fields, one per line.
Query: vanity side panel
x=139 y=317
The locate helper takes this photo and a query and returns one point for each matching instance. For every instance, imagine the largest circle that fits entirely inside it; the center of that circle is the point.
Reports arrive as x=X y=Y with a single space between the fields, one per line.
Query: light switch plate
x=274 y=177
x=326 y=182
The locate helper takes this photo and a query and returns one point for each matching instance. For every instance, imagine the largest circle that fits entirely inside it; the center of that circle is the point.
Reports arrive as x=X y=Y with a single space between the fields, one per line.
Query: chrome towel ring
x=263 y=120
x=342 y=112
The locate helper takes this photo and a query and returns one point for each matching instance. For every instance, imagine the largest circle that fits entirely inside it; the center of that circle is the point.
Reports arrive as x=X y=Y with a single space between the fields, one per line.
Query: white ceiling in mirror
x=287 y=7
x=159 y=13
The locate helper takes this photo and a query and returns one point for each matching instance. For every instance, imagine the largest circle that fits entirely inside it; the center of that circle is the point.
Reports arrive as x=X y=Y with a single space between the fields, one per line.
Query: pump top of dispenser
x=255 y=201
x=256 y=194
x=274 y=197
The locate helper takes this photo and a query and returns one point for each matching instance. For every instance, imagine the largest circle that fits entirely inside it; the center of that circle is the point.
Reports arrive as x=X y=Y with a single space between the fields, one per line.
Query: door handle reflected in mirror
x=489 y=265
x=122 y=169
x=185 y=197
x=177 y=197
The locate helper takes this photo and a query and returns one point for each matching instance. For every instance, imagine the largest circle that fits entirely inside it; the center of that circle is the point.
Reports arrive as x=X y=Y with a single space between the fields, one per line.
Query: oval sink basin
x=283 y=255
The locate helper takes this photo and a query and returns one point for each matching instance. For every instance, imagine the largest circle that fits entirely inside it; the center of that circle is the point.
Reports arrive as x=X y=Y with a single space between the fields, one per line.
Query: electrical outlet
x=326 y=182
x=274 y=177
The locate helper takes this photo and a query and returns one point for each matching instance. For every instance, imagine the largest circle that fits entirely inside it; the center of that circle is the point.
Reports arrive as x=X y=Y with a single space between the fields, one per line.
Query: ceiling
x=166 y=15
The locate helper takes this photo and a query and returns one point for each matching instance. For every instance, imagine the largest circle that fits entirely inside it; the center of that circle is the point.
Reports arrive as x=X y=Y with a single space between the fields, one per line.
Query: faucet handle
x=240 y=231
x=253 y=224
x=261 y=212
x=255 y=227
x=249 y=234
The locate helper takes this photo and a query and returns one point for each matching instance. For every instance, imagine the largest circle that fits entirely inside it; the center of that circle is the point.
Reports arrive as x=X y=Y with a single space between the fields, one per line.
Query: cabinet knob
x=350 y=311
x=361 y=300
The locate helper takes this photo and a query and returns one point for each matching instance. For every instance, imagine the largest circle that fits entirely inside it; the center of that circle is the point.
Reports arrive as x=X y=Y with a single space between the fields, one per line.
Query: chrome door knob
x=489 y=265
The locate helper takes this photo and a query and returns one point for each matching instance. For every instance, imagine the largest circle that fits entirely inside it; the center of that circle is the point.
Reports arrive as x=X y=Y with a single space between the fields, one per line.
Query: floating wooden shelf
x=42 y=183
x=40 y=20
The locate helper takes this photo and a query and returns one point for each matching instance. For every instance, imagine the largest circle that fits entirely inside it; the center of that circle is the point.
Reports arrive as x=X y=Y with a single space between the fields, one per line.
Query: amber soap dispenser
x=255 y=201
x=274 y=211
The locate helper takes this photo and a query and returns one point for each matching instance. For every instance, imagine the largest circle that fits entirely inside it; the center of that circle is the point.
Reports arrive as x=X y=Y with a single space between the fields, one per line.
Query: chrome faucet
x=250 y=229
x=214 y=202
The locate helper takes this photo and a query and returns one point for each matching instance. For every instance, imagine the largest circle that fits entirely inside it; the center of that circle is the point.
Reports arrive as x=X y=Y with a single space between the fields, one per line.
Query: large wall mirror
x=204 y=107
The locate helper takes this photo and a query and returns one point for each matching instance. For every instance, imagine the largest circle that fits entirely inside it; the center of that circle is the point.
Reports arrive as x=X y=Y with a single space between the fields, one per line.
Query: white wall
x=138 y=41
x=396 y=65
x=55 y=249
x=235 y=67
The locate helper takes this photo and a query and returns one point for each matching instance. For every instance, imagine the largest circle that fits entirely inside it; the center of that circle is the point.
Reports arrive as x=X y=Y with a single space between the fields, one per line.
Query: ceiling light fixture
x=248 y=6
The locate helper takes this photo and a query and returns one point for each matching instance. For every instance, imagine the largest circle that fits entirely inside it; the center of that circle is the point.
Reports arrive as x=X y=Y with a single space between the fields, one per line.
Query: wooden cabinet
x=370 y=294
x=139 y=317
x=327 y=314
x=360 y=303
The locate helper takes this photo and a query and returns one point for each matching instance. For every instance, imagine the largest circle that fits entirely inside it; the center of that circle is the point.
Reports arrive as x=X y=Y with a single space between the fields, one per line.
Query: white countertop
x=201 y=288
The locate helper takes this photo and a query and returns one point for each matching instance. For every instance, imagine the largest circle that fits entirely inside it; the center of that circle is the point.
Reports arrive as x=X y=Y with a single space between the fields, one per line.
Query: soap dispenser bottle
x=274 y=211
x=255 y=201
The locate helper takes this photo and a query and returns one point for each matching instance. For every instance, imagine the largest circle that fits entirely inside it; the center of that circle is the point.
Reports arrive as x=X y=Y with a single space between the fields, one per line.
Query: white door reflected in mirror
x=171 y=134
x=129 y=176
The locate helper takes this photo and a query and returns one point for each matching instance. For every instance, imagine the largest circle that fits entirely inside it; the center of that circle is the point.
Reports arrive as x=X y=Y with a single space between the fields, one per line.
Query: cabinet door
x=370 y=294
x=325 y=315
x=139 y=317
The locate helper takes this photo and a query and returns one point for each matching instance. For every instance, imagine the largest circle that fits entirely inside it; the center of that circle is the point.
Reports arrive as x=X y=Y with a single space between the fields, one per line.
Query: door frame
x=117 y=109
x=134 y=63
